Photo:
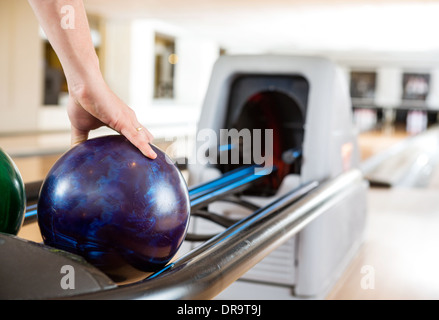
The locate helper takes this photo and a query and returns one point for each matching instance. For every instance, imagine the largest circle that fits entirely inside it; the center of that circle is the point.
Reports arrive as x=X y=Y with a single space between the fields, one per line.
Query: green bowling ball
x=12 y=196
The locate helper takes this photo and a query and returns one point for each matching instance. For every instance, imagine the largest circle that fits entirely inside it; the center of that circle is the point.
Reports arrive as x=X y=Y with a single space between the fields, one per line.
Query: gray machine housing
x=308 y=265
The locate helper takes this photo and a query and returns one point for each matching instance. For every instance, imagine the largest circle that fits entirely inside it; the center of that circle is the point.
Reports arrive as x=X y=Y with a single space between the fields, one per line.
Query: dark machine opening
x=268 y=102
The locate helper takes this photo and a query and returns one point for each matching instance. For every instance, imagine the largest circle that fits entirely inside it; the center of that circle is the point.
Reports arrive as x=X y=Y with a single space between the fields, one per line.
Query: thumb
x=77 y=136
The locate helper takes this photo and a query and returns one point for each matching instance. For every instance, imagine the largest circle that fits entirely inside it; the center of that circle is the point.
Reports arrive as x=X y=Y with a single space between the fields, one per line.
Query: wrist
x=82 y=85
x=78 y=70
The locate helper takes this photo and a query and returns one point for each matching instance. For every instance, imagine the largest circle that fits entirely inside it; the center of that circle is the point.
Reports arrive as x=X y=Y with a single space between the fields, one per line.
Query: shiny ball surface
x=12 y=196
x=123 y=212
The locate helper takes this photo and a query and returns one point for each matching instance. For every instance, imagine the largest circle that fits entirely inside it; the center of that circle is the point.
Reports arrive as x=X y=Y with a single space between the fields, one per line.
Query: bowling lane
x=398 y=259
x=399 y=252
x=378 y=140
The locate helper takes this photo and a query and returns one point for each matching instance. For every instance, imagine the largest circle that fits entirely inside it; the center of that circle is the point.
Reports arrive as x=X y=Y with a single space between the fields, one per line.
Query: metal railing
x=207 y=270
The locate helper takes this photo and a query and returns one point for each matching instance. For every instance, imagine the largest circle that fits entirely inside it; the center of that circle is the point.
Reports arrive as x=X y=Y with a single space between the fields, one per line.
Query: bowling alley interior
x=345 y=206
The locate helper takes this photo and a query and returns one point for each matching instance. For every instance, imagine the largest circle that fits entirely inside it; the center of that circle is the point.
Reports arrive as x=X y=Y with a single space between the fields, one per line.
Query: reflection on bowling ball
x=12 y=196
x=124 y=213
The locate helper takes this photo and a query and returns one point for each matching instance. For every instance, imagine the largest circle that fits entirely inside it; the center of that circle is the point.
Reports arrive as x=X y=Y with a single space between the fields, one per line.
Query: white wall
x=390 y=70
x=194 y=68
x=132 y=71
x=433 y=97
x=128 y=66
x=388 y=87
x=20 y=67
x=115 y=61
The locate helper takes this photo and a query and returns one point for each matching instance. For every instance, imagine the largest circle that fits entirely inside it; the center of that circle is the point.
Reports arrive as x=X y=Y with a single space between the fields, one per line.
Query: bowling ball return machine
x=292 y=222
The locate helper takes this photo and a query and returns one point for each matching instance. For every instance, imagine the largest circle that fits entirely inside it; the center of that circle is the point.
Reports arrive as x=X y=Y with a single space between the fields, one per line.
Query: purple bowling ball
x=123 y=212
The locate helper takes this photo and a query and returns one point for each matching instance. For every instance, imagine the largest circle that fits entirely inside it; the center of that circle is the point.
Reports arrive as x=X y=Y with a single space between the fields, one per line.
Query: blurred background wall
x=157 y=56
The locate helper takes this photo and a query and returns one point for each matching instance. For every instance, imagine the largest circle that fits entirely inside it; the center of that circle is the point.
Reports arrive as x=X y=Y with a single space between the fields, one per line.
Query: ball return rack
x=31 y=270
x=305 y=218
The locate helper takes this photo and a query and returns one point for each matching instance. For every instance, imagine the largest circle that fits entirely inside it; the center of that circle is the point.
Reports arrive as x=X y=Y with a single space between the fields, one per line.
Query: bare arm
x=92 y=103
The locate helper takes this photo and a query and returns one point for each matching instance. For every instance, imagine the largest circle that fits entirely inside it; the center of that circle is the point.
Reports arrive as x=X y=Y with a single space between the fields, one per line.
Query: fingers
x=128 y=125
x=77 y=136
x=140 y=137
x=88 y=113
x=149 y=135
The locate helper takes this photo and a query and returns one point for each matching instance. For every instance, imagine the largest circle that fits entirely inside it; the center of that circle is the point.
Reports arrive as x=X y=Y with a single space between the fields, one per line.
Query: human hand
x=91 y=102
x=92 y=105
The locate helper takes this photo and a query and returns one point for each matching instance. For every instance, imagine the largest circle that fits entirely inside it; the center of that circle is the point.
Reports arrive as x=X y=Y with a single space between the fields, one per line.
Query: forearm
x=74 y=47
x=91 y=102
